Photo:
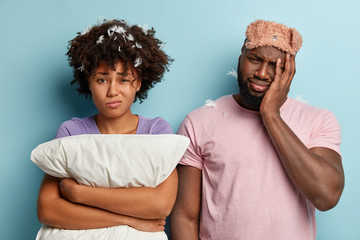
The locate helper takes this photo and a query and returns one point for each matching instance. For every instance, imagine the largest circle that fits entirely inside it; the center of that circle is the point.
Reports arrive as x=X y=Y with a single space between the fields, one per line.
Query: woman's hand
x=68 y=189
x=148 y=225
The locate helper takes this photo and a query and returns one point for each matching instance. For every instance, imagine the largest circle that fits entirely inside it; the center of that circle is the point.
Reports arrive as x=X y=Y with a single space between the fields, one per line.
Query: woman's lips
x=113 y=104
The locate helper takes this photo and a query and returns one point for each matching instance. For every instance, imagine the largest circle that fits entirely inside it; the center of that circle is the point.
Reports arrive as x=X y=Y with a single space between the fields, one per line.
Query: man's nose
x=262 y=71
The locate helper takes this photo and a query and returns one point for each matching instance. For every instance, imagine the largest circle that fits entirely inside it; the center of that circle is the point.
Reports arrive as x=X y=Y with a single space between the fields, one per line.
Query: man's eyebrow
x=273 y=61
x=254 y=55
x=259 y=57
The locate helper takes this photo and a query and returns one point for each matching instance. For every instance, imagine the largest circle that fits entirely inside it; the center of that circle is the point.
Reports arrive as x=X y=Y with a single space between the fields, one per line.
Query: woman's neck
x=123 y=125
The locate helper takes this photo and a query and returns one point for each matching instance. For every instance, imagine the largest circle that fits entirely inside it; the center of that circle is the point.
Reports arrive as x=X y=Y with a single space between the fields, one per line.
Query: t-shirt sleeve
x=326 y=132
x=192 y=156
x=161 y=126
x=65 y=129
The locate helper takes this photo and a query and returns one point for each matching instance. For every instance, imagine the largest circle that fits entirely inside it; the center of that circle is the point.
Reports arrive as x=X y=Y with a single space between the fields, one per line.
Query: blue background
x=205 y=38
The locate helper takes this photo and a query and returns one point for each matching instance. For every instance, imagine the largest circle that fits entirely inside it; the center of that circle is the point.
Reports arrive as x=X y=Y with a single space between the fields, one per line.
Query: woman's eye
x=101 y=80
x=125 y=81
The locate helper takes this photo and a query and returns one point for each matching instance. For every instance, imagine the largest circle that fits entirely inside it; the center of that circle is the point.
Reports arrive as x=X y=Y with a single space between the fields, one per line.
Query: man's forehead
x=269 y=53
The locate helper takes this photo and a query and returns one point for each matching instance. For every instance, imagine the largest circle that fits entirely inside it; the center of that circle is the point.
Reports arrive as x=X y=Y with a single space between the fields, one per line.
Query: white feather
x=87 y=29
x=137 y=62
x=300 y=99
x=209 y=103
x=130 y=37
x=100 y=20
x=162 y=45
x=116 y=29
x=144 y=28
x=232 y=73
x=101 y=38
x=81 y=68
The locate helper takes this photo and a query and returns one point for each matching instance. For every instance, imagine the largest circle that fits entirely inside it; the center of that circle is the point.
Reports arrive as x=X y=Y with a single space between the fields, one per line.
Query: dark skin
x=63 y=203
x=317 y=172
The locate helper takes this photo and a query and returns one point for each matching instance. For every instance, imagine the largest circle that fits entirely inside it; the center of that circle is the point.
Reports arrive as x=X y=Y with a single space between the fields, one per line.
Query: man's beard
x=250 y=101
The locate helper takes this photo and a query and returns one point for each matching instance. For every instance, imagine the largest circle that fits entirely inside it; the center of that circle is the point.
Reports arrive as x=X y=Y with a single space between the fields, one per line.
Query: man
x=259 y=162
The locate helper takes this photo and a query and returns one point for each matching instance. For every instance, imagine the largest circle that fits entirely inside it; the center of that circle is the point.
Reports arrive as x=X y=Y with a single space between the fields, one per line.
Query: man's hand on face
x=277 y=93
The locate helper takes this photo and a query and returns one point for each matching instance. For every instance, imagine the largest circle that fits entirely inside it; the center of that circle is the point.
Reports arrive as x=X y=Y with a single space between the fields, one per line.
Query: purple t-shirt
x=87 y=125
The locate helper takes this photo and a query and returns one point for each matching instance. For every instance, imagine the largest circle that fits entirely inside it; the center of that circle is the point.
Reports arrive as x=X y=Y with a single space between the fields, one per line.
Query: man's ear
x=243 y=48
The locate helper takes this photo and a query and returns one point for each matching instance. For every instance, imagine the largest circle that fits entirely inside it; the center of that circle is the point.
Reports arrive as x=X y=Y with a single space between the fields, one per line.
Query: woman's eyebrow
x=124 y=74
x=102 y=73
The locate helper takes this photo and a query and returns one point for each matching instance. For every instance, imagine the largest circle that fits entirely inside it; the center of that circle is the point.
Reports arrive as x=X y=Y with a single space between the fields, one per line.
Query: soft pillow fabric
x=109 y=160
x=111 y=233
x=112 y=160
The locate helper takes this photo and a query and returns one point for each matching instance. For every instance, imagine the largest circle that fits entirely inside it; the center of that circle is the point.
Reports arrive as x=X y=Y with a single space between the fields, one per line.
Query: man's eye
x=125 y=80
x=253 y=59
x=101 y=80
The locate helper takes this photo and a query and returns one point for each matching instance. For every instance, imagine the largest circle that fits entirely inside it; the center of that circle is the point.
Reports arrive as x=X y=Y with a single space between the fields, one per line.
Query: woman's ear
x=138 y=85
x=89 y=85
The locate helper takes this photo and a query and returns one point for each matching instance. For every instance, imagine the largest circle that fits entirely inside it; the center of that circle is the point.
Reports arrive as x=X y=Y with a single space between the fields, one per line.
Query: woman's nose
x=113 y=90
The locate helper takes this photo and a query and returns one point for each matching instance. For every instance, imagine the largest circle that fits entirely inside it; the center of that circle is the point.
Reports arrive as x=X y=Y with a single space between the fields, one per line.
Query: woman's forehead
x=119 y=66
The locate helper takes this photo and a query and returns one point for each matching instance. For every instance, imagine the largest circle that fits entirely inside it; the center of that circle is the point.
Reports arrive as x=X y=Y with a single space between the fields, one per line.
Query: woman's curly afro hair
x=114 y=41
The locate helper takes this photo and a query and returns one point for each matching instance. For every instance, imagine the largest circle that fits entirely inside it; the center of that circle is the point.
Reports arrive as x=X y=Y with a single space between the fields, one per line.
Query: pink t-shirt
x=246 y=193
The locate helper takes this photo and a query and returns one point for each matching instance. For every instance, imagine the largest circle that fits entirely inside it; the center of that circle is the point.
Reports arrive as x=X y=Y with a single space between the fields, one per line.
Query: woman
x=114 y=64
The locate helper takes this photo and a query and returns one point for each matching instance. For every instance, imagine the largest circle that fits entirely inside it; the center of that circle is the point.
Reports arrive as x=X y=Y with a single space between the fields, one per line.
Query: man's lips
x=258 y=85
x=113 y=104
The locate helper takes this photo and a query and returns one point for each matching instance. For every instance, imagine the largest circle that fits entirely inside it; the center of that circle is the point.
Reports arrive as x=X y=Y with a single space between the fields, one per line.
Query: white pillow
x=112 y=160
x=109 y=160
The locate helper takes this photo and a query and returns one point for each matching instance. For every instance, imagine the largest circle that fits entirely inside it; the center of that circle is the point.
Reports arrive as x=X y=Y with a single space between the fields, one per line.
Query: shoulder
x=156 y=125
x=317 y=127
x=303 y=109
x=316 y=121
x=211 y=110
x=77 y=126
x=207 y=116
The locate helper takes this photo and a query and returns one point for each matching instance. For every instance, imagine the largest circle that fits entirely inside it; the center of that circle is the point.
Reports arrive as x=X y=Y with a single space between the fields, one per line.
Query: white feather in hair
x=162 y=45
x=87 y=29
x=137 y=62
x=101 y=38
x=81 y=68
x=116 y=29
x=130 y=37
x=144 y=28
